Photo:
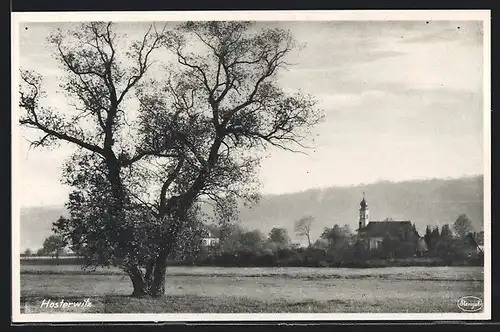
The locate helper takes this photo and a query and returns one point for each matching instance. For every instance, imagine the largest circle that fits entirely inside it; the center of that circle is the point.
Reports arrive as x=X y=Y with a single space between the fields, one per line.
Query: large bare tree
x=200 y=126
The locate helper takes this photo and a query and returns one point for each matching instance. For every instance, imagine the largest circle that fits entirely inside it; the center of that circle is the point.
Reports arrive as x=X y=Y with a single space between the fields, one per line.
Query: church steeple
x=363 y=213
x=363 y=202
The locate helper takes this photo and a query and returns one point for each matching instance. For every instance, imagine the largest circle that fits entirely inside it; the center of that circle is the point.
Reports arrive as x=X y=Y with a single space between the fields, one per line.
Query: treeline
x=447 y=244
x=339 y=246
x=53 y=246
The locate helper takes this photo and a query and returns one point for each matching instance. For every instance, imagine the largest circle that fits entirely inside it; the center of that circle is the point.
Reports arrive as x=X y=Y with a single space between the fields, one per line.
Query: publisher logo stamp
x=470 y=303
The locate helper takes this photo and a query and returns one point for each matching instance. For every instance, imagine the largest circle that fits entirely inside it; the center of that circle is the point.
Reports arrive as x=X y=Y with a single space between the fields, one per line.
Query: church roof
x=385 y=228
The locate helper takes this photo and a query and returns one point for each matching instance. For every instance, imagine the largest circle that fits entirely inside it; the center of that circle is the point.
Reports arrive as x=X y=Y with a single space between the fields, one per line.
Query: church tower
x=363 y=213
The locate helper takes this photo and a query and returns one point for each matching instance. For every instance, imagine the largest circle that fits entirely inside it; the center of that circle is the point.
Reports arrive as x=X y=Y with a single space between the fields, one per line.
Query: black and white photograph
x=183 y=166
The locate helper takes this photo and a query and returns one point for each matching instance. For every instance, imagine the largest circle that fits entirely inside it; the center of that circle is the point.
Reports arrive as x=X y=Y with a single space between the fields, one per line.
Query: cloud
x=357 y=57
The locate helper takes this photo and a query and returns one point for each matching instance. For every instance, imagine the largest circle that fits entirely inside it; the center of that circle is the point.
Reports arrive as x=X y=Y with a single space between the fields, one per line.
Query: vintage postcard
x=270 y=166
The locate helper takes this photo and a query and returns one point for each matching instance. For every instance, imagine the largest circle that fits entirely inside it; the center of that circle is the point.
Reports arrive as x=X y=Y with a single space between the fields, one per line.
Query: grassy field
x=270 y=290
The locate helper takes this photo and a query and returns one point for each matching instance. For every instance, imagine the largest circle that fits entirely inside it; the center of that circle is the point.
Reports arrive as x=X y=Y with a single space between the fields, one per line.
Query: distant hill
x=426 y=202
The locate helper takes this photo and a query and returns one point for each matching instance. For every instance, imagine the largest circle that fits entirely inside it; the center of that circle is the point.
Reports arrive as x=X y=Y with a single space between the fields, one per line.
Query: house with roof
x=374 y=233
x=210 y=238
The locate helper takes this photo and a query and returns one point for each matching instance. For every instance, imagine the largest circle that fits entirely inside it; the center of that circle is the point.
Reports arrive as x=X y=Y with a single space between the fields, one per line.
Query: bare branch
x=62 y=136
x=143 y=55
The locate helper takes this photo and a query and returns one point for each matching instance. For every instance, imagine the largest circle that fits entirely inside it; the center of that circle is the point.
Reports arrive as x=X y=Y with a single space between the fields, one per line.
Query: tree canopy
x=446 y=232
x=279 y=236
x=463 y=225
x=337 y=235
x=54 y=245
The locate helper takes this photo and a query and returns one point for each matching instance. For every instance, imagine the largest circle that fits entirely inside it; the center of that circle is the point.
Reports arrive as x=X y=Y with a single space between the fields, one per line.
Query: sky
x=402 y=100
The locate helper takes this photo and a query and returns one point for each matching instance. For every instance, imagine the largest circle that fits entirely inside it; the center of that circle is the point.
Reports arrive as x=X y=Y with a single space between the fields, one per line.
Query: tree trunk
x=138 y=282
x=156 y=279
x=157 y=288
x=176 y=206
x=149 y=272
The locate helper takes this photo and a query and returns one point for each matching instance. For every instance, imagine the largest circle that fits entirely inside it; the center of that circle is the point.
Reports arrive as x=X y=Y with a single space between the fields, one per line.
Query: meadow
x=268 y=290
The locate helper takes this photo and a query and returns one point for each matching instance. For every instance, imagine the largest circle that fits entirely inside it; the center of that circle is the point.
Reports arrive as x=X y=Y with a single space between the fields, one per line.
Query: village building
x=374 y=233
x=210 y=240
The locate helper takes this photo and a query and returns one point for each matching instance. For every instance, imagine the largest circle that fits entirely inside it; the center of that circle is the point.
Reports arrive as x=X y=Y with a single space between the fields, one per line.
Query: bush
x=267 y=260
x=343 y=256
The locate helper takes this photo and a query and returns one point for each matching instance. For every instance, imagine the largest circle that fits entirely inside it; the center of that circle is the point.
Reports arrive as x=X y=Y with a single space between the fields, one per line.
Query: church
x=374 y=233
